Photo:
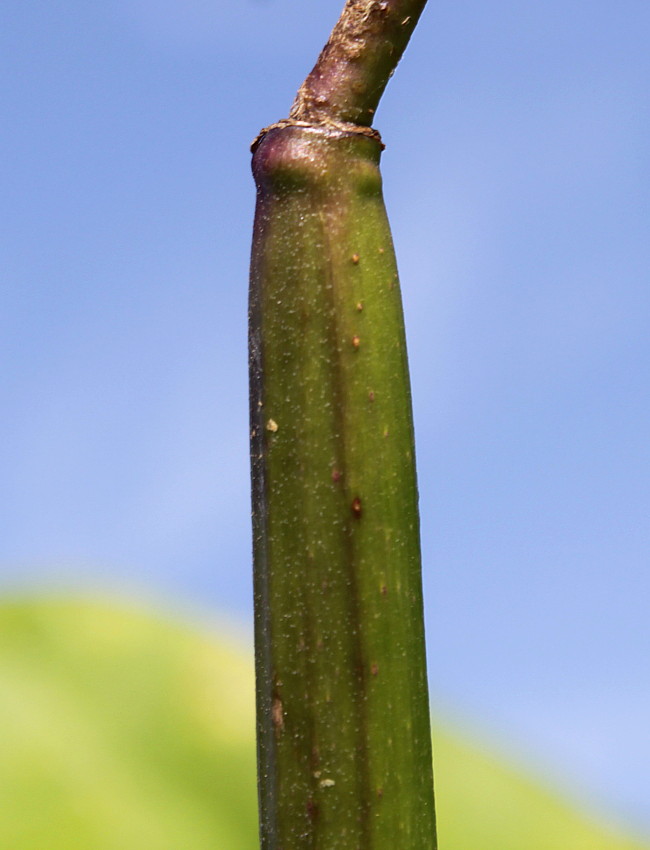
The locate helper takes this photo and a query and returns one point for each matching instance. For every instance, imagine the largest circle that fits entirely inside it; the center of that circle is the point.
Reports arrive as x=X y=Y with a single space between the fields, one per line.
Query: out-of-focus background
x=518 y=183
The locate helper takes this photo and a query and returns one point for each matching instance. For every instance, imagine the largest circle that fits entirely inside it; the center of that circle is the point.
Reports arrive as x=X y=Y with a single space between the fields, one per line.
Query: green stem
x=344 y=745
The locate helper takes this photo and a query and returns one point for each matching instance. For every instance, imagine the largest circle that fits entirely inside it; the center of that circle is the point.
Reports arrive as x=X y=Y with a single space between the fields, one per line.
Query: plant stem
x=355 y=65
x=344 y=746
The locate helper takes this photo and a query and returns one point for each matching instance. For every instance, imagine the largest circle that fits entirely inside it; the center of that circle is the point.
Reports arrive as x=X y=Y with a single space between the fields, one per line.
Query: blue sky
x=518 y=184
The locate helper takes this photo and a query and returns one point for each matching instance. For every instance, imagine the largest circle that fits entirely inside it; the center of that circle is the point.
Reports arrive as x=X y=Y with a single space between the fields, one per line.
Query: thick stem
x=344 y=747
x=343 y=715
x=355 y=65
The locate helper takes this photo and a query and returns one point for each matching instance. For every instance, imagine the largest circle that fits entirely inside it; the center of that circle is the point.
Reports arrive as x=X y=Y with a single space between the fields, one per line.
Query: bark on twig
x=355 y=65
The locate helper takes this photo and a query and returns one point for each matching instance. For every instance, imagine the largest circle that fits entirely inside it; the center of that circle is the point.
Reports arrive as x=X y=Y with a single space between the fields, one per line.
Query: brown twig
x=355 y=65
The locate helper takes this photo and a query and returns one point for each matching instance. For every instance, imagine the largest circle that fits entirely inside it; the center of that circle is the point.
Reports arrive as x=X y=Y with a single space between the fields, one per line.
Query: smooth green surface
x=121 y=729
x=344 y=727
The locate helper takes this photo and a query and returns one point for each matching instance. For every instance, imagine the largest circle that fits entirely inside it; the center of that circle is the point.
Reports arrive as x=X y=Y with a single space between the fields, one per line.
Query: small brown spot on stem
x=355 y=259
x=336 y=475
x=356 y=342
x=356 y=507
x=272 y=426
x=383 y=590
x=380 y=792
x=359 y=306
x=371 y=395
x=374 y=669
x=381 y=250
x=277 y=714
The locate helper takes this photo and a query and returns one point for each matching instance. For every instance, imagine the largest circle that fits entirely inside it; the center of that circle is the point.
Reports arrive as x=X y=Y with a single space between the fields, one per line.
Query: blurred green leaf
x=125 y=729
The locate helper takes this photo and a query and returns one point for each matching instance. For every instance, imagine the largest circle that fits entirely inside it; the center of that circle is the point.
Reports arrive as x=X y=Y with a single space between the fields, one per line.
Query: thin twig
x=355 y=65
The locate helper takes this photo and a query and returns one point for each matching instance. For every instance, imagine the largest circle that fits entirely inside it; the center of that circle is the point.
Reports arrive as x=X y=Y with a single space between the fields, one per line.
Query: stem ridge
x=325 y=125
